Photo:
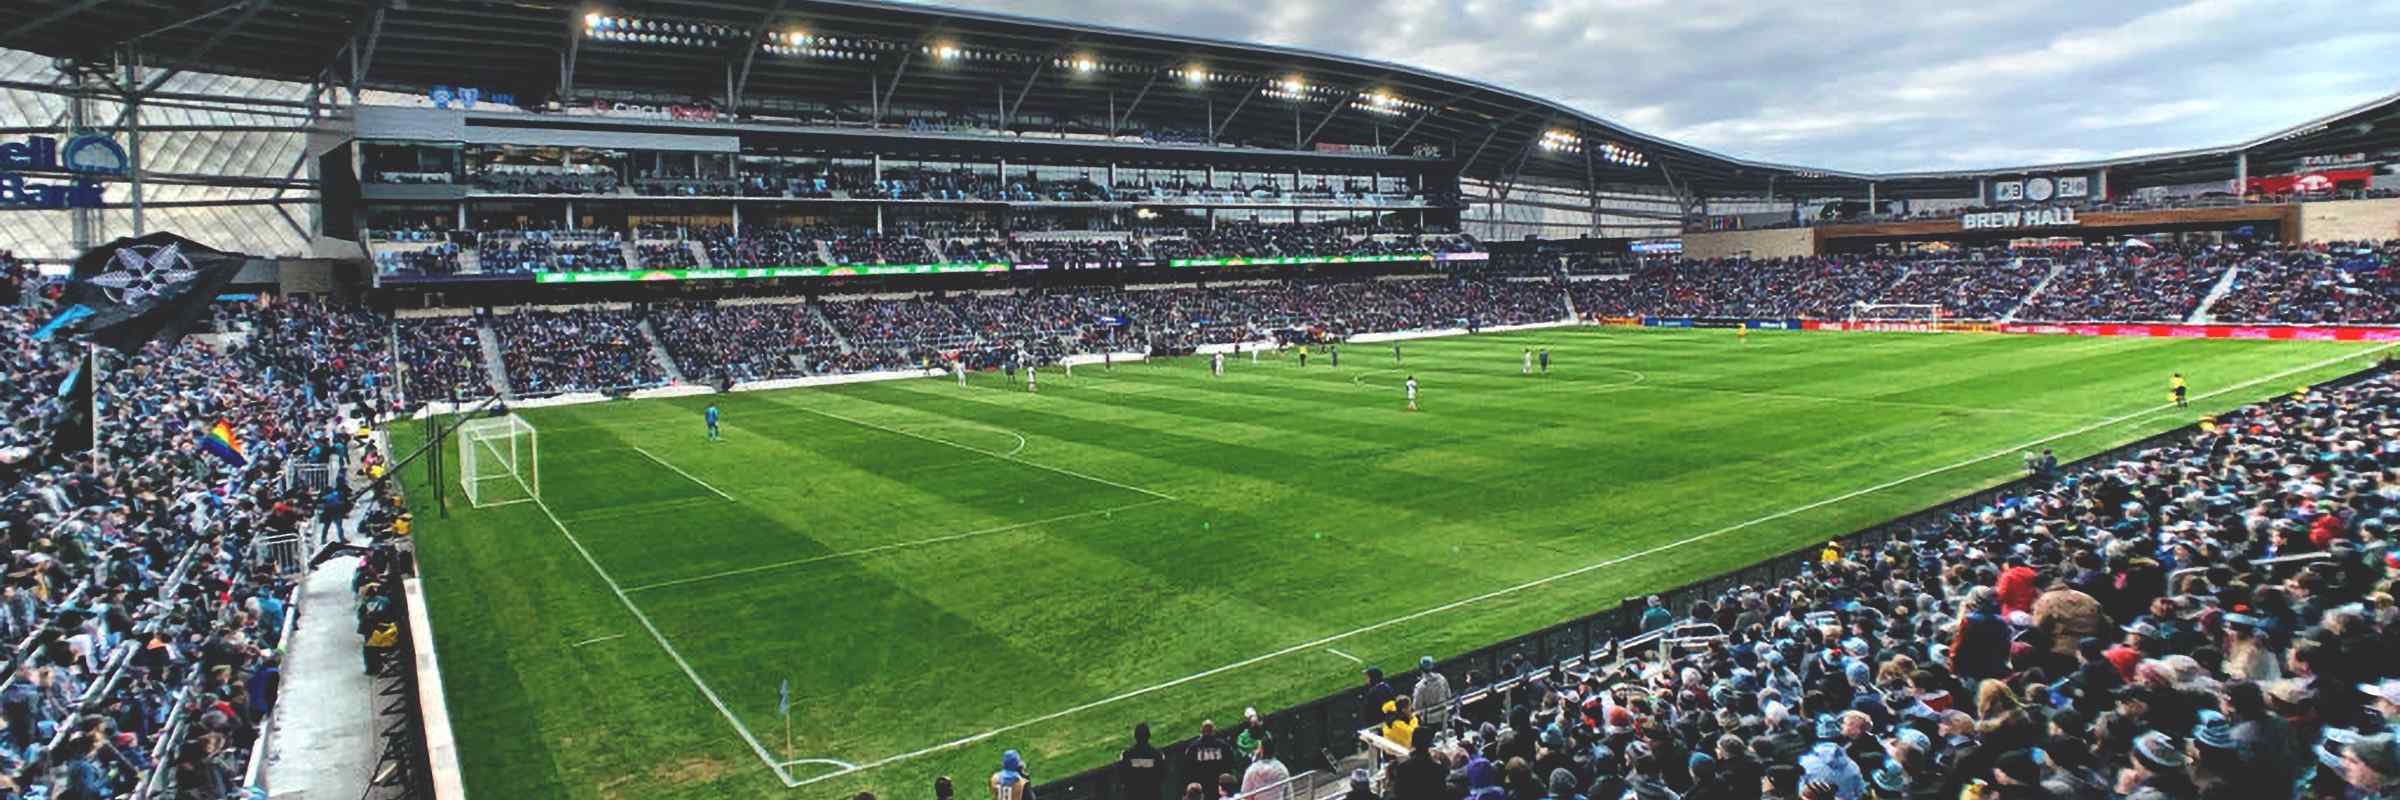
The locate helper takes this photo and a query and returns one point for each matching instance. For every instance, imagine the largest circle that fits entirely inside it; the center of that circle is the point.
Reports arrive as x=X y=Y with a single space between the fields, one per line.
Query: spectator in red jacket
x=2015 y=588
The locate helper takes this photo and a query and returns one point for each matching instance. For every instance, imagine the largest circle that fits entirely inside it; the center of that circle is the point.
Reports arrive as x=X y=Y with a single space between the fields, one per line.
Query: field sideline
x=943 y=573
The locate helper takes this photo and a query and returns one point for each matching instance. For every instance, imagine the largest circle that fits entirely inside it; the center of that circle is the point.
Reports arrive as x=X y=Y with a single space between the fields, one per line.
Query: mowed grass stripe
x=909 y=647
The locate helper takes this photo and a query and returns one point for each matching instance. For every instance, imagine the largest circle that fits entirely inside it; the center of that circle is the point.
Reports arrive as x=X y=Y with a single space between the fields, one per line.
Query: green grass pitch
x=943 y=573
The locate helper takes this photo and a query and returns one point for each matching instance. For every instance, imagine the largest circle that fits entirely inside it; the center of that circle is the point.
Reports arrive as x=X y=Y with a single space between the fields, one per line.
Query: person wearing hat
x=1141 y=769
x=2385 y=695
x=1562 y=786
x=2369 y=764
x=2266 y=743
x=1361 y=786
x=1432 y=695
x=1011 y=782
x=2217 y=767
x=2155 y=770
x=1373 y=696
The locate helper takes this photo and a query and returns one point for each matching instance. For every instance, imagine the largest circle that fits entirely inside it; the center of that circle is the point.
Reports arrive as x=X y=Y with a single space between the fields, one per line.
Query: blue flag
x=783 y=699
x=73 y=314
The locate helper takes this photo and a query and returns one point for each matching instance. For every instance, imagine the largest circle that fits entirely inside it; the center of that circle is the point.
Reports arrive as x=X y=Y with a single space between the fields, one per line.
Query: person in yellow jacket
x=1832 y=554
x=1400 y=724
x=381 y=645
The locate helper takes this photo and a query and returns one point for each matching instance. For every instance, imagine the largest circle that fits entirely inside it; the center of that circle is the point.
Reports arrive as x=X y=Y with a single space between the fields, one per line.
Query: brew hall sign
x=2060 y=217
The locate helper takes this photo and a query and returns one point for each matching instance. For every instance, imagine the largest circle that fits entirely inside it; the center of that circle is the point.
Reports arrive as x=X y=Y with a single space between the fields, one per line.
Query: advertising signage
x=83 y=159
x=1295 y=260
x=753 y=273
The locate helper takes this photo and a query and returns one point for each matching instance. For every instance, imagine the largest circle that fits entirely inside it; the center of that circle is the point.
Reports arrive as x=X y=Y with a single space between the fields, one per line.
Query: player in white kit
x=1412 y=392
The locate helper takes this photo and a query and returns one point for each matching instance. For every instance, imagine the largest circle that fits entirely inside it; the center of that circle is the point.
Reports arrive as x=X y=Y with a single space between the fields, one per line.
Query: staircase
x=658 y=353
x=490 y=339
x=1572 y=313
x=633 y=257
x=2056 y=267
x=700 y=255
x=824 y=251
x=2225 y=284
x=827 y=324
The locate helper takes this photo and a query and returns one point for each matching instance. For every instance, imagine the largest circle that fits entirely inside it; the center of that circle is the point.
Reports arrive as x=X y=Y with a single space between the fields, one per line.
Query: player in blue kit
x=712 y=423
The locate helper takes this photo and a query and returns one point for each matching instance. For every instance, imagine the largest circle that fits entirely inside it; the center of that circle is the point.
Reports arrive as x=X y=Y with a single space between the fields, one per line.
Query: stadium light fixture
x=1085 y=64
x=1195 y=76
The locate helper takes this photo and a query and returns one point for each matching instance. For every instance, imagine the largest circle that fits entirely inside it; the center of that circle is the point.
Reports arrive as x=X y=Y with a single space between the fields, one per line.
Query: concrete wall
x=2350 y=220
x=1775 y=243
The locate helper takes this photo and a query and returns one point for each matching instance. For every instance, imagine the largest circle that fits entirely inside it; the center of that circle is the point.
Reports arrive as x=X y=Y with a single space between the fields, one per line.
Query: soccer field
x=944 y=573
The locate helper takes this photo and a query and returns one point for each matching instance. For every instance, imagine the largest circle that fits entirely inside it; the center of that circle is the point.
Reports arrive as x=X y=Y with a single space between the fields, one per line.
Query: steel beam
x=906 y=58
x=43 y=21
x=1118 y=124
x=1227 y=122
x=1010 y=114
x=758 y=41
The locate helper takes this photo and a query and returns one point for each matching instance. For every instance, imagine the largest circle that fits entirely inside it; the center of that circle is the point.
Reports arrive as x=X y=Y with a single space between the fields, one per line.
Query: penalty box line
x=679 y=471
x=998 y=455
x=1586 y=569
x=781 y=772
x=867 y=551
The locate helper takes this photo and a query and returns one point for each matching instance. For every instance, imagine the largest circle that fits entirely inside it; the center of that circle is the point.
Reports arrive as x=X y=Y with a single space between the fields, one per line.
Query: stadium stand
x=2182 y=620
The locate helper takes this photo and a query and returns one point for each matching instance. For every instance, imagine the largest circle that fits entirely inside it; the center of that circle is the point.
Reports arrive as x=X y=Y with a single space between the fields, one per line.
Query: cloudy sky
x=1875 y=85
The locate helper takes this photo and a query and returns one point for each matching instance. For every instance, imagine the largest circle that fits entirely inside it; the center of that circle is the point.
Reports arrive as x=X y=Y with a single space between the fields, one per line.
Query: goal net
x=1895 y=312
x=499 y=461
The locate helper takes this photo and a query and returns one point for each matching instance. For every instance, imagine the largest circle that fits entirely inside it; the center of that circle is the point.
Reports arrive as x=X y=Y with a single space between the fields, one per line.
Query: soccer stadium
x=855 y=399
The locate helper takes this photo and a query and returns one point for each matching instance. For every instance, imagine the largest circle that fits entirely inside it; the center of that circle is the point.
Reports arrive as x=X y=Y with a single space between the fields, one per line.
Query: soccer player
x=1395 y=354
x=2176 y=386
x=958 y=366
x=1333 y=352
x=1412 y=392
x=1030 y=387
x=1216 y=365
x=1527 y=369
x=711 y=414
x=1545 y=358
x=1741 y=332
x=1304 y=355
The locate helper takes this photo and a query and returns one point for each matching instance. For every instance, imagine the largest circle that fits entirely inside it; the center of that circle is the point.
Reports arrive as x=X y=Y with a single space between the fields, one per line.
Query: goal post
x=499 y=461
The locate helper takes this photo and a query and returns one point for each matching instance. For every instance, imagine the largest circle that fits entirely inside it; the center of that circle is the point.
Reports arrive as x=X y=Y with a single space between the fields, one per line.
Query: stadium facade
x=226 y=102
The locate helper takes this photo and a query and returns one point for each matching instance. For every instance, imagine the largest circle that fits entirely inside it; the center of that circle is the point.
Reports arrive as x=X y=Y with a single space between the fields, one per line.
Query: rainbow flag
x=221 y=441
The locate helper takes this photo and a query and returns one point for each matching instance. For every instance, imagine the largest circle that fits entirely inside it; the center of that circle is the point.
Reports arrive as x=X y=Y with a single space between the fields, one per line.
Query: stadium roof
x=842 y=52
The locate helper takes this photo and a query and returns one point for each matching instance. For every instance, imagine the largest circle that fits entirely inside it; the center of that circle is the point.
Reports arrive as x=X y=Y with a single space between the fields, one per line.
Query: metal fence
x=1320 y=734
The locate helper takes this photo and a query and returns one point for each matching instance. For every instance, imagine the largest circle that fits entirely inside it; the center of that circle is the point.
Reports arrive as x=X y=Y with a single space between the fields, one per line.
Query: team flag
x=783 y=699
x=221 y=442
x=132 y=291
x=74 y=431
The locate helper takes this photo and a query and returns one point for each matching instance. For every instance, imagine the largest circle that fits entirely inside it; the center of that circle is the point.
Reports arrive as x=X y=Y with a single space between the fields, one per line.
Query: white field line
x=1539 y=582
x=663 y=644
x=1353 y=659
x=845 y=765
x=597 y=639
x=1867 y=401
x=1002 y=456
x=864 y=551
x=686 y=475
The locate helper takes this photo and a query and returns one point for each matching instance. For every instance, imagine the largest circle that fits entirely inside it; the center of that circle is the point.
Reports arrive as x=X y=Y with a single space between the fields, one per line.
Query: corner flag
x=783 y=699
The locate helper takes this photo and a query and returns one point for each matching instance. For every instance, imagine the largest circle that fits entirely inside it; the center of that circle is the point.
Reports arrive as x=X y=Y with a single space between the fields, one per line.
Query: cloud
x=1869 y=85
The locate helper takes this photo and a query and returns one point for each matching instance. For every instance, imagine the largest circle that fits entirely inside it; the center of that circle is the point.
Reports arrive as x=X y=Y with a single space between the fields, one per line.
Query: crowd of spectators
x=547 y=179
x=2129 y=286
x=579 y=350
x=144 y=639
x=1968 y=289
x=666 y=255
x=748 y=342
x=2210 y=617
x=438 y=260
x=1822 y=287
x=2341 y=282
x=444 y=359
